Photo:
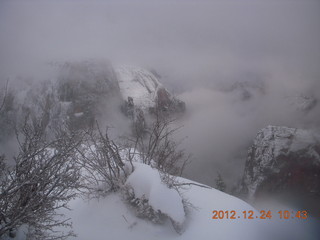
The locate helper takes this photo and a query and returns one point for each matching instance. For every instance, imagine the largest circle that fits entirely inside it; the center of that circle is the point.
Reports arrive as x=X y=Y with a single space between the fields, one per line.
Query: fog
x=200 y=48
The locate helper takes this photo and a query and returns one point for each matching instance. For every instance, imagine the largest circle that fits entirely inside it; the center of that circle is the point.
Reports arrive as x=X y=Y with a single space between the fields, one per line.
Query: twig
x=125 y=219
x=199 y=185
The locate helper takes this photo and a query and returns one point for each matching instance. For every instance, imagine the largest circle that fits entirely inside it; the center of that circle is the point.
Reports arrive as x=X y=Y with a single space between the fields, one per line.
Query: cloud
x=189 y=40
x=221 y=124
x=199 y=48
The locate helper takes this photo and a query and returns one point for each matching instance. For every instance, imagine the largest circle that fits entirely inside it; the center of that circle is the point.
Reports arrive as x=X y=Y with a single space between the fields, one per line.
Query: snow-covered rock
x=146 y=183
x=77 y=93
x=145 y=91
x=139 y=84
x=283 y=160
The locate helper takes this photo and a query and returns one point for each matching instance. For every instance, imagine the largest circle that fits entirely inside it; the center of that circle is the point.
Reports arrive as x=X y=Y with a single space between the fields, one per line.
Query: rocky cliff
x=145 y=91
x=77 y=93
x=143 y=94
x=284 y=162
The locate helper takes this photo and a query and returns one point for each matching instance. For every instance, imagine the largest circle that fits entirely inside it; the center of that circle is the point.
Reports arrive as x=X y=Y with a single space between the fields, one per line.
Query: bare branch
x=43 y=180
x=5 y=95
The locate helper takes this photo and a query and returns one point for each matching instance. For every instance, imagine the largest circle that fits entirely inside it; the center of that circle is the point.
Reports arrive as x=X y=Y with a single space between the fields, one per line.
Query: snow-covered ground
x=111 y=218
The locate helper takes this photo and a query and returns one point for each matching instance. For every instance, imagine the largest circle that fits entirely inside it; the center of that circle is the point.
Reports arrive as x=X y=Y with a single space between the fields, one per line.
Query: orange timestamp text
x=263 y=214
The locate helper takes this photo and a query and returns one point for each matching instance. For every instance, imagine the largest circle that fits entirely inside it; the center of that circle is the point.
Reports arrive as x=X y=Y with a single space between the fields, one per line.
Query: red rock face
x=163 y=99
x=297 y=176
x=165 y=102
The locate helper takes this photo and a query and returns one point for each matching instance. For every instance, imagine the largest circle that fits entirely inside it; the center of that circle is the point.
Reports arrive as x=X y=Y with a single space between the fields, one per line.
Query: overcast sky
x=190 y=41
x=195 y=45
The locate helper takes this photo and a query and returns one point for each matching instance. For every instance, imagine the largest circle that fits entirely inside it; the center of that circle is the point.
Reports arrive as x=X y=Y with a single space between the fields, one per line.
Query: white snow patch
x=146 y=182
x=78 y=114
x=132 y=154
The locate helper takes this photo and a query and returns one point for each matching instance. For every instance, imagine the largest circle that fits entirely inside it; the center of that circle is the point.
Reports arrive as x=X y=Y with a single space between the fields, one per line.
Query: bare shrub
x=103 y=165
x=141 y=206
x=43 y=180
x=4 y=97
x=158 y=147
x=107 y=165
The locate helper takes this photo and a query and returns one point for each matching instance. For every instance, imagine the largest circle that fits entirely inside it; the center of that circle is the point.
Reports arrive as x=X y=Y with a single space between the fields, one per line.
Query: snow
x=78 y=114
x=201 y=223
x=273 y=141
x=20 y=233
x=111 y=218
x=131 y=153
x=146 y=182
x=139 y=84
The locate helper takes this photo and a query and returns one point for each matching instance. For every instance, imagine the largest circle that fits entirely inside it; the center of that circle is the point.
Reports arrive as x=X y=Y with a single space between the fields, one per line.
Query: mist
x=200 y=49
